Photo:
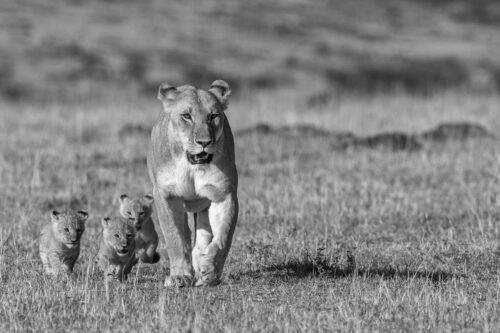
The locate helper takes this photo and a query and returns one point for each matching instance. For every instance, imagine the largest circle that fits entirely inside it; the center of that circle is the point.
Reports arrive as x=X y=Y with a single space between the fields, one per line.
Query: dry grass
x=355 y=239
x=64 y=49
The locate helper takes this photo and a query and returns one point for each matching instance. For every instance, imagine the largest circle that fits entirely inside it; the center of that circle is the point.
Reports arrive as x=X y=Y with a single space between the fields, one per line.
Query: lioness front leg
x=203 y=238
x=222 y=217
x=173 y=223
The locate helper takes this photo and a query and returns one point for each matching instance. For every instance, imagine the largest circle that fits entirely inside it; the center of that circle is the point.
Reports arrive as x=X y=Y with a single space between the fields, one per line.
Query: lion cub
x=138 y=211
x=116 y=255
x=60 y=241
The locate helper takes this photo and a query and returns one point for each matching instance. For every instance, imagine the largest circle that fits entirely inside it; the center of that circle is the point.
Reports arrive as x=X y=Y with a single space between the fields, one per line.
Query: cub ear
x=123 y=198
x=167 y=92
x=105 y=221
x=83 y=215
x=220 y=89
x=55 y=216
x=148 y=199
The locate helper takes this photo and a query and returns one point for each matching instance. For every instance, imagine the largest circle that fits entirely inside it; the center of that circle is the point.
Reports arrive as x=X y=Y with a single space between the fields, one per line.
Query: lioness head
x=119 y=234
x=136 y=210
x=197 y=118
x=68 y=227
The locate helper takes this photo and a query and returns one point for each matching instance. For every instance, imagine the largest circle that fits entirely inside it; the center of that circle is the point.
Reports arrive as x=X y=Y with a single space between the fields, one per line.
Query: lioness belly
x=196 y=205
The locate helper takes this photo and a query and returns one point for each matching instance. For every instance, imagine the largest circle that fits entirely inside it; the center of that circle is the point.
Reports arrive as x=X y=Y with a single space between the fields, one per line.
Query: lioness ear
x=220 y=89
x=83 y=215
x=123 y=198
x=105 y=221
x=55 y=216
x=148 y=199
x=167 y=92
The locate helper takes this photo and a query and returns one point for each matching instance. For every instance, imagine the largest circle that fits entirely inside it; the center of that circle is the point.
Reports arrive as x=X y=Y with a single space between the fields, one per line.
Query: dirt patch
x=393 y=141
x=457 y=132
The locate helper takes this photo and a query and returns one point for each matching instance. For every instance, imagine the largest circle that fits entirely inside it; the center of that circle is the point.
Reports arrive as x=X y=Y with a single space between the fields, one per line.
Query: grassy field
x=357 y=212
x=329 y=238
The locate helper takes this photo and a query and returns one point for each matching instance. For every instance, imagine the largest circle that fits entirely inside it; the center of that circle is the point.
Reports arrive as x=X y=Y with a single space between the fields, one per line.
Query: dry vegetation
x=328 y=237
x=358 y=212
x=66 y=49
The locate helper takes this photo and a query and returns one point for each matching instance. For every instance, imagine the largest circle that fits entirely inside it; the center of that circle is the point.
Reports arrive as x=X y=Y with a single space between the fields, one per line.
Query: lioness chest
x=197 y=185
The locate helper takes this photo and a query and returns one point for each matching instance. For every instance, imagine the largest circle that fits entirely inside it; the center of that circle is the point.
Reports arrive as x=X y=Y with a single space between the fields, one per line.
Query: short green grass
x=327 y=239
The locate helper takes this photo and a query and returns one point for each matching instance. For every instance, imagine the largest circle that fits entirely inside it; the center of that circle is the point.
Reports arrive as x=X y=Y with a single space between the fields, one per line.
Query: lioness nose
x=203 y=142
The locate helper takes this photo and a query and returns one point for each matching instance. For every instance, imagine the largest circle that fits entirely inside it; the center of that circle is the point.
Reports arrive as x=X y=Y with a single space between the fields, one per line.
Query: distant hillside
x=61 y=49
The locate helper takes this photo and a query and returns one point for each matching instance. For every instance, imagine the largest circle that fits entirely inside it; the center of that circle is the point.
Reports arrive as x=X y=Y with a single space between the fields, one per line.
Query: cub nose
x=203 y=142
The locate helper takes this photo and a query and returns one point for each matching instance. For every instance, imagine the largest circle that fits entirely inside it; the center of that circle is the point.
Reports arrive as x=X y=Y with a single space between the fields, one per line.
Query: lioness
x=191 y=165
x=138 y=211
x=60 y=241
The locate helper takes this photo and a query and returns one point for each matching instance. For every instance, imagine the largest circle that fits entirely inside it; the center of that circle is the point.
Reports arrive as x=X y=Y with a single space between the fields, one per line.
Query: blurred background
x=73 y=50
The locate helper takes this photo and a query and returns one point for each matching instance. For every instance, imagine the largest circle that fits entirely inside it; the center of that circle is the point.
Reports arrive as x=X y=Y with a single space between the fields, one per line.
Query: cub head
x=68 y=227
x=196 y=118
x=119 y=234
x=136 y=210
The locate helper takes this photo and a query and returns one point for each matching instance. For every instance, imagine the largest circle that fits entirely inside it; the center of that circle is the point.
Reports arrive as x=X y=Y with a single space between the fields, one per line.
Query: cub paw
x=178 y=281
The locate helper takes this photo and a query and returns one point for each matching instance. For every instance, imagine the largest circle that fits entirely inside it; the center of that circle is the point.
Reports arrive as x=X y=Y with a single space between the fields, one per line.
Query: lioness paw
x=207 y=281
x=178 y=281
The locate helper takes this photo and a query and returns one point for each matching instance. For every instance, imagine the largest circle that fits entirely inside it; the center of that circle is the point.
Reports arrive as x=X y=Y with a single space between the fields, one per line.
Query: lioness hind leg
x=222 y=217
x=173 y=223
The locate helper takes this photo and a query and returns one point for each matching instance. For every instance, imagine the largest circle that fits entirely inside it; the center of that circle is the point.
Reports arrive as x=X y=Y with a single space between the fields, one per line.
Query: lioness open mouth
x=200 y=158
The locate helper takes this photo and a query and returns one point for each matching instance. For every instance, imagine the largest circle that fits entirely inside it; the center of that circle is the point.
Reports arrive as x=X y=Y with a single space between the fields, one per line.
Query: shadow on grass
x=299 y=270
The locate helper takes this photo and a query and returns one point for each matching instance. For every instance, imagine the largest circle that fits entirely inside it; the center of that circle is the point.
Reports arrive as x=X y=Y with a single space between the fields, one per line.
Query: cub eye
x=117 y=236
x=129 y=213
x=78 y=230
x=129 y=235
x=141 y=214
x=186 y=116
x=66 y=229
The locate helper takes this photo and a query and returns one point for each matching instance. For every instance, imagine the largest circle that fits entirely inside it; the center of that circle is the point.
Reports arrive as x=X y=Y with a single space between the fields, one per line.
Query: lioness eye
x=129 y=235
x=213 y=116
x=141 y=214
x=117 y=236
x=186 y=116
x=78 y=230
x=66 y=229
x=129 y=213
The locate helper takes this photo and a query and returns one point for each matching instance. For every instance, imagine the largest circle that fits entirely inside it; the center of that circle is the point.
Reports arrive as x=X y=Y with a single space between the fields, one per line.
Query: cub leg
x=222 y=218
x=150 y=255
x=111 y=272
x=173 y=223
